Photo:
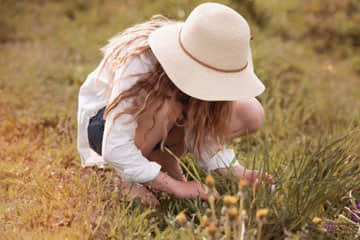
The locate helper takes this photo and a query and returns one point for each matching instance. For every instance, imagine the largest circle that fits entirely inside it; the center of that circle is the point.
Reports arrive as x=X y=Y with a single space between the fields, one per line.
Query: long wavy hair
x=204 y=119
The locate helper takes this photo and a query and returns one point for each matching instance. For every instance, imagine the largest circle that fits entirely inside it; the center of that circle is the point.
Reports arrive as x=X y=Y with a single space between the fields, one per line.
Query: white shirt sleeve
x=212 y=157
x=118 y=148
x=120 y=151
x=224 y=158
x=92 y=97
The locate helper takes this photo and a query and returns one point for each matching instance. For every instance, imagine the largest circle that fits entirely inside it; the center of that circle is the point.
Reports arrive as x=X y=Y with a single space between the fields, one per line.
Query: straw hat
x=208 y=56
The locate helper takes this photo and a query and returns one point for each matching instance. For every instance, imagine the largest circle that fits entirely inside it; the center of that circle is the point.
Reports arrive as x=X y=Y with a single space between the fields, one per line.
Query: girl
x=187 y=85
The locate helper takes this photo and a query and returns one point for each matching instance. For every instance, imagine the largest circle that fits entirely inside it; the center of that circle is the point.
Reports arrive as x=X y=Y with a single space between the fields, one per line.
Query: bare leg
x=247 y=117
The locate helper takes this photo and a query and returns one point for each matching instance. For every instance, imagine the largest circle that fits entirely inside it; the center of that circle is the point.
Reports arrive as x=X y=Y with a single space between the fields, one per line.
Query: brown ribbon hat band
x=205 y=64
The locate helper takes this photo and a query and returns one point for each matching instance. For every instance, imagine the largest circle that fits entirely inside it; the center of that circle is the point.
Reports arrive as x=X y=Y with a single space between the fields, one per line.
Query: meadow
x=307 y=53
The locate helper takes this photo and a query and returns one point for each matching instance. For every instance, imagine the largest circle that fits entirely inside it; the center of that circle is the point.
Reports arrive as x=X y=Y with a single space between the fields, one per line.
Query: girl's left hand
x=254 y=177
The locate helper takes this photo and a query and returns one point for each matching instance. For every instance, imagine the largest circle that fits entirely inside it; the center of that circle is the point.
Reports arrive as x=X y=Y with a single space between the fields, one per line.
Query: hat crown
x=217 y=35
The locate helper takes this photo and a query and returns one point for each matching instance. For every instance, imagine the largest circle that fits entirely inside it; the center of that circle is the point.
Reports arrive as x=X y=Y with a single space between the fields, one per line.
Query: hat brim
x=196 y=80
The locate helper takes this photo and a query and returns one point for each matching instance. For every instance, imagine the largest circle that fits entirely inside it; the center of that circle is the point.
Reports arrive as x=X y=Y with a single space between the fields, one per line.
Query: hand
x=180 y=189
x=132 y=191
x=190 y=190
x=252 y=176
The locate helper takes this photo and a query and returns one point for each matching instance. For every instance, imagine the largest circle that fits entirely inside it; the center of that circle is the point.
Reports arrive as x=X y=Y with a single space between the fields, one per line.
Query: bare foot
x=133 y=190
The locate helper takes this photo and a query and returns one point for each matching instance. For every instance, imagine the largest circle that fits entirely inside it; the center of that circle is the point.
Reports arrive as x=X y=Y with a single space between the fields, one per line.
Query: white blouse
x=118 y=146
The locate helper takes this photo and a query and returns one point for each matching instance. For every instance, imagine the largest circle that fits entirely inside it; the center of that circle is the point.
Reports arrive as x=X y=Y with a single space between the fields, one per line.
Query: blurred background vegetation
x=306 y=52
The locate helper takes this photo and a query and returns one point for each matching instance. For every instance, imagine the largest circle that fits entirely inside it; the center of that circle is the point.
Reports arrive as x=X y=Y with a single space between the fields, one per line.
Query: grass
x=307 y=55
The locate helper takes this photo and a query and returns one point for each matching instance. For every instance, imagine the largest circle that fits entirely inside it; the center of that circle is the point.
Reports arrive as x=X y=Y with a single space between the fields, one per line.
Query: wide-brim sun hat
x=208 y=56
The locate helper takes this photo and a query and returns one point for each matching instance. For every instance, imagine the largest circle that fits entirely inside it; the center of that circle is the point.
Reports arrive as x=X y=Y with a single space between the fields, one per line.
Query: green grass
x=307 y=55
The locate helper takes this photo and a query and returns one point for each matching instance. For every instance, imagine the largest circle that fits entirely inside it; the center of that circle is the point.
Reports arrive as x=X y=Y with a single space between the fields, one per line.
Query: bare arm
x=168 y=112
x=179 y=189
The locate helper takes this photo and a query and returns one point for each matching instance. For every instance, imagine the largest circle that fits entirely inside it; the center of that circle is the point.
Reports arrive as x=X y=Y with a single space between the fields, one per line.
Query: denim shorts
x=96 y=131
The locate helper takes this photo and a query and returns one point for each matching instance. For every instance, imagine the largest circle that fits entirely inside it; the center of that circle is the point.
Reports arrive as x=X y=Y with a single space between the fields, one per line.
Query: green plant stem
x=212 y=205
x=259 y=230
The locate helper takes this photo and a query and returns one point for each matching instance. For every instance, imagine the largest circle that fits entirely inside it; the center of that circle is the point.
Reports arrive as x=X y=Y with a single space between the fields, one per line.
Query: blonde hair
x=113 y=51
x=202 y=118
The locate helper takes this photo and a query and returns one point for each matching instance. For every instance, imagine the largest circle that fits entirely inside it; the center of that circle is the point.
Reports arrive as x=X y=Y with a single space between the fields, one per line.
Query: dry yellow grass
x=306 y=54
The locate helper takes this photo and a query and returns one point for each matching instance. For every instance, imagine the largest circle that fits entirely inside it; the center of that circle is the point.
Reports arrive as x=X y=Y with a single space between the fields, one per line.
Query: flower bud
x=181 y=218
x=233 y=213
x=243 y=183
x=212 y=229
x=210 y=181
x=230 y=200
x=204 y=221
x=316 y=220
x=261 y=213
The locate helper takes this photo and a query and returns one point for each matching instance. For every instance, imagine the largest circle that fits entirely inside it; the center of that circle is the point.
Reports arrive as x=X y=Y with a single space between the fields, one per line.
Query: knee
x=251 y=115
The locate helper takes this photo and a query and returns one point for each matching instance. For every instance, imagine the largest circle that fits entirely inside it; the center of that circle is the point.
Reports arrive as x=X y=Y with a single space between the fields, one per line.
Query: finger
x=202 y=193
x=267 y=178
x=151 y=201
x=251 y=176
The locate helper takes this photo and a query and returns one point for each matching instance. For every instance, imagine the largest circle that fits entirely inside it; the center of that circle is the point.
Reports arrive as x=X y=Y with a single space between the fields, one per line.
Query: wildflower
x=210 y=181
x=331 y=226
x=181 y=218
x=212 y=229
x=316 y=220
x=233 y=213
x=330 y=67
x=204 y=221
x=230 y=200
x=243 y=183
x=261 y=213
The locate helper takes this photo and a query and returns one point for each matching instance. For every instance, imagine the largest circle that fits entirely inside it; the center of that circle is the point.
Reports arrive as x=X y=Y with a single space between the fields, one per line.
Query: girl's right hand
x=190 y=190
x=180 y=189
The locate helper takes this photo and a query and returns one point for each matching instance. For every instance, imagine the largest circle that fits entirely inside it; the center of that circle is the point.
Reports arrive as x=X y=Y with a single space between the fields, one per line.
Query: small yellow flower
x=210 y=181
x=233 y=213
x=243 y=183
x=261 y=213
x=316 y=220
x=212 y=229
x=204 y=221
x=181 y=218
x=230 y=200
x=330 y=67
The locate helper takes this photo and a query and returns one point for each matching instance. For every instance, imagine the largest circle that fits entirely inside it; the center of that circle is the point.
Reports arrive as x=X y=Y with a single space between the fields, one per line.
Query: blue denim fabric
x=96 y=131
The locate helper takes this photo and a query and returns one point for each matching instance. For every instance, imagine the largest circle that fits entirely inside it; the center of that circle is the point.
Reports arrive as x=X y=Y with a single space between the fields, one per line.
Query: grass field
x=307 y=53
